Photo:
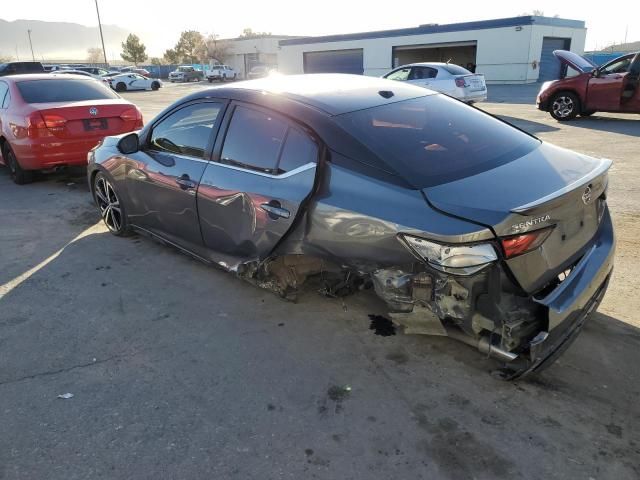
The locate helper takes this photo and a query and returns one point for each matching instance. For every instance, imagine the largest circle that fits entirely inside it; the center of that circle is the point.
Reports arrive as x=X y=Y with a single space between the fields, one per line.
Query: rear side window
x=435 y=139
x=254 y=140
x=186 y=131
x=456 y=70
x=299 y=149
x=63 y=90
x=419 y=73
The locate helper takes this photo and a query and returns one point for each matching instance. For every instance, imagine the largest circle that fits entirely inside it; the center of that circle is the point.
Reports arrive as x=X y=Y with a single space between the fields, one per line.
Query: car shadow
x=528 y=125
x=40 y=218
x=622 y=126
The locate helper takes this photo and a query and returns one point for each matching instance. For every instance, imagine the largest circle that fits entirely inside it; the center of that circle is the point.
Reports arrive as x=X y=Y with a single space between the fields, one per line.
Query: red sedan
x=49 y=121
x=586 y=88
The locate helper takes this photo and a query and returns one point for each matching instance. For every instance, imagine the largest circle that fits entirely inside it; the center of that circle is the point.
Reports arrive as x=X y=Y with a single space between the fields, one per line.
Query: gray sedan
x=464 y=225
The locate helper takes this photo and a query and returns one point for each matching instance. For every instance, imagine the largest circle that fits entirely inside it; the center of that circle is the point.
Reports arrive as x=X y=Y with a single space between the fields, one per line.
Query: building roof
x=434 y=28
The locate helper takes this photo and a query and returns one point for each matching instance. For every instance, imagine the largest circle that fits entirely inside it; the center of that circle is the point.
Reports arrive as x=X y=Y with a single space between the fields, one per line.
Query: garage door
x=334 y=61
x=550 y=66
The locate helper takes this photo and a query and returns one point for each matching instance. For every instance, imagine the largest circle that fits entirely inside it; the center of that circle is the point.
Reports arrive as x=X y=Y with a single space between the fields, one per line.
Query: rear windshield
x=63 y=90
x=435 y=139
x=456 y=70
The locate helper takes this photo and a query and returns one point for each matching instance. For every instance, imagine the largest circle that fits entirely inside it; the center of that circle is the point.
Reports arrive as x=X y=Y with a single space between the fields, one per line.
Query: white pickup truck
x=221 y=73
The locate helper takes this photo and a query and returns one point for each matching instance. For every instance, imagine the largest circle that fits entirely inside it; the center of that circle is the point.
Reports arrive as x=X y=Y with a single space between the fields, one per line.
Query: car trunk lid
x=474 y=82
x=548 y=188
x=85 y=119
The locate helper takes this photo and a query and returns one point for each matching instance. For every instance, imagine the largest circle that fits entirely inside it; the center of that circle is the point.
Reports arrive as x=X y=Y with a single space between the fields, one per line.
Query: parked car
x=96 y=71
x=52 y=120
x=142 y=71
x=103 y=80
x=221 y=73
x=17 y=68
x=587 y=88
x=454 y=80
x=51 y=68
x=123 y=82
x=369 y=180
x=186 y=73
x=260 y=71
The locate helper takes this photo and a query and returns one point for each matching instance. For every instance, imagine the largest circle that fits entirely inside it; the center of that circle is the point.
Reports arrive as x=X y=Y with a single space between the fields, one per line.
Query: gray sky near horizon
x=159 y=23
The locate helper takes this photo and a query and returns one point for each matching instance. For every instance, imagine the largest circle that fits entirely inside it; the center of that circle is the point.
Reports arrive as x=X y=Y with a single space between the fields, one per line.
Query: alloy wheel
x=109 y=205
x=563 y=106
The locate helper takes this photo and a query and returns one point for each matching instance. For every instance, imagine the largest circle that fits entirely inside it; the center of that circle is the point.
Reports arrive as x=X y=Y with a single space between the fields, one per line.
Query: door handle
x=185 y=182
x=275 y=210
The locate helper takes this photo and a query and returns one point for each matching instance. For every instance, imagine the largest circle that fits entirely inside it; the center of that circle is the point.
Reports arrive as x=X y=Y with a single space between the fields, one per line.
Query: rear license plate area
x=93 y=124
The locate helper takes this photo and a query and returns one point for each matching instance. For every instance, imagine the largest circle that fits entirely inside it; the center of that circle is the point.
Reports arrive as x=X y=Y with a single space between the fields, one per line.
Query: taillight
x=519 y=244
x=461 y=83
x=54 y=122
x=35 y=125
x=132 y=115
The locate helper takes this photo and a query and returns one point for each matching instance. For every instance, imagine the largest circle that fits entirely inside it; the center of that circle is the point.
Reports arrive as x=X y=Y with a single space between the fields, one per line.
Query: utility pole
x=33 y=57
x=104 y=52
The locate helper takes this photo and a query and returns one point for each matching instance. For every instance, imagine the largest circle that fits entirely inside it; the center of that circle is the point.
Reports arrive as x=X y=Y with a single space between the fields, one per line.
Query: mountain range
x=55 y=41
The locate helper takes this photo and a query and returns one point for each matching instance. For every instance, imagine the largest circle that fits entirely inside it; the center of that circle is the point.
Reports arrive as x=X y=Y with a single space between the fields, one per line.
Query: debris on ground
x=66 y=396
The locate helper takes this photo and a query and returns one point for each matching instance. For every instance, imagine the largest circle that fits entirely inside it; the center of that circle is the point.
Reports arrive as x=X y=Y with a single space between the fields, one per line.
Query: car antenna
x=386 y=93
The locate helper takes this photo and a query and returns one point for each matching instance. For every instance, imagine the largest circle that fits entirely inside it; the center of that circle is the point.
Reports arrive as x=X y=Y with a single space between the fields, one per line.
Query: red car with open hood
x=49 y=121
x=587 y=88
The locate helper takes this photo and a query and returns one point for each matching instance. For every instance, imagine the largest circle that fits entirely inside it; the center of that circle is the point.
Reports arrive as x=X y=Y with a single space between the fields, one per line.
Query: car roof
x=332 y=93
x=44 y=76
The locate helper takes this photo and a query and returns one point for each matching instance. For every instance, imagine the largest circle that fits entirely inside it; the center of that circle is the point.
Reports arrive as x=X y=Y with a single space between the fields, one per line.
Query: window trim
x=212 y=137
x=290 y=122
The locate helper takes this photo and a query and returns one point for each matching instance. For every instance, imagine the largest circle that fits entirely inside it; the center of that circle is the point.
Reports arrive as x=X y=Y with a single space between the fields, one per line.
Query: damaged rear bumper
x=571 y=303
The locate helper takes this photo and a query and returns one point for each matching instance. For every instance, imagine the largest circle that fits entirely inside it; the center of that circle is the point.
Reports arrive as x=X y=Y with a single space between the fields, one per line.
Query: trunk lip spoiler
x=603 y=166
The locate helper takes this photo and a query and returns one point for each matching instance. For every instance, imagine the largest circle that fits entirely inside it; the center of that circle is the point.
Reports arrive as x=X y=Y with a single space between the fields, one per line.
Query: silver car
x=453 y=80
x=464 y=225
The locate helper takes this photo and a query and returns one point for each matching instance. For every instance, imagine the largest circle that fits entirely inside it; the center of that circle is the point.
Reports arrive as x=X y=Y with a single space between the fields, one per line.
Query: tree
x=5 y=58
x=158 y=61
x=216 y=49
x=133 y=50
x=172 y=57
x=191 y=47
x=535 y=13
x=249 y=33
x=95 y=55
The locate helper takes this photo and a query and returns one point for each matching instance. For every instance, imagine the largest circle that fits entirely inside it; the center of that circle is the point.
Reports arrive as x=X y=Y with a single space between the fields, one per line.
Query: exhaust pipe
x=482 y=344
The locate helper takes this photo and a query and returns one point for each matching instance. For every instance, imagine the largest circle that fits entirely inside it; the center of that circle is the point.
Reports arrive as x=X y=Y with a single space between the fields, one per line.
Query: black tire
x=121 y=87
x=110 y=206
x=564 y=106
x=210 y=80
x=155 y=86
x=588 y=113
x=16 y=172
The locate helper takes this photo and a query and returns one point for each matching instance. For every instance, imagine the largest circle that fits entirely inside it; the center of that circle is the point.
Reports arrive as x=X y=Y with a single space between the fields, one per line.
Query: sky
x=159 y=23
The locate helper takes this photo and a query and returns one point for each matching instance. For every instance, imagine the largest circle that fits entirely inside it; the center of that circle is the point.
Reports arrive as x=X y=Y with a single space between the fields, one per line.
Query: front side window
x=254 y=140
x=401 y=74
x=186 y=131
x=621 y=66
x=434 y=139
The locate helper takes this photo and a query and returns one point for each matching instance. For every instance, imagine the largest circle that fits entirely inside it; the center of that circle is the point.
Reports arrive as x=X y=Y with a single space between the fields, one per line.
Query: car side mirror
x=129 y=144
x=595 y=73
